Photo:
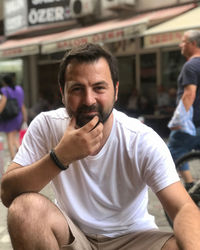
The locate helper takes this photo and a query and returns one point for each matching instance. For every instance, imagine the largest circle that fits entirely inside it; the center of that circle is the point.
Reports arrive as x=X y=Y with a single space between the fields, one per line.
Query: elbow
x=5 y=201
x=6 y=197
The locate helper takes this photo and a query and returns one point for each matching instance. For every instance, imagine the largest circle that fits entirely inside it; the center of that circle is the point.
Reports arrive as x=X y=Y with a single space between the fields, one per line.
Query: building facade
x=38 y=32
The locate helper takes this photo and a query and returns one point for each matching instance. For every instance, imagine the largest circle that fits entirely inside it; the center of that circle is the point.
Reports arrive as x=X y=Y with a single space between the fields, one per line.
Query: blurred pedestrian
x=12 y=126
x=2 y=105
x=172 y=100
x=133 y=103
x=41 y=105
x=188 y=102
x=162 y=100
x=2 y=101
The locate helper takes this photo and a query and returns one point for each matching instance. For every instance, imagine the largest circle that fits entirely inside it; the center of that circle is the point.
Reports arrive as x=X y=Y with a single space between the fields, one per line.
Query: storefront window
x=148 y=81
x=48 y=85
x=172 y=62
x=13 y=67
x=126 y=79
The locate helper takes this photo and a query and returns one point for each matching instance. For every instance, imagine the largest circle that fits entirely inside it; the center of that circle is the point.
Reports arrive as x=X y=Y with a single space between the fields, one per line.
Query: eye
x=76 y=89
x=99 y=88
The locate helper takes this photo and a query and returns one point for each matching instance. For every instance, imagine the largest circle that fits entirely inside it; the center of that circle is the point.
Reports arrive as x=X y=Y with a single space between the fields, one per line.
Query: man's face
x=89 y=91
x=186 y=46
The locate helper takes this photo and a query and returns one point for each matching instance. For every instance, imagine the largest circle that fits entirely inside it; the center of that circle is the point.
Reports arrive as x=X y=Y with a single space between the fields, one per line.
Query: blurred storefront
x=141 y=63
x=164 y=39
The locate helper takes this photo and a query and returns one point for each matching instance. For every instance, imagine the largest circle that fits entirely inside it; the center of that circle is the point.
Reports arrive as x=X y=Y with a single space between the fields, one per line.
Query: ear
x=61 y=90
x=116 y=91
x=194 y=43
x=63 y=99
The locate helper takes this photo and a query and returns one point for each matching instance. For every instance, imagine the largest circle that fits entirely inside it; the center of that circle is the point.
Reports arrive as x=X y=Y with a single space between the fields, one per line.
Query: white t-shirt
x=107 y=193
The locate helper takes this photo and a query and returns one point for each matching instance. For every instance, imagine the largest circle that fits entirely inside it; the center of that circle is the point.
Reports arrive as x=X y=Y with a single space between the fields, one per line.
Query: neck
x=195 y=54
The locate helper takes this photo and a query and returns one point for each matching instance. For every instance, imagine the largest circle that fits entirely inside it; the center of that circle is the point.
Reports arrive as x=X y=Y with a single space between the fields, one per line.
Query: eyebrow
x=78 y=84
x=100 y=83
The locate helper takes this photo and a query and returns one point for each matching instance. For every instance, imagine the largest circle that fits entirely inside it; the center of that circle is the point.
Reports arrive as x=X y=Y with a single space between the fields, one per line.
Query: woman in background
x=11 y=127
x=2 y=101
x=2 y=105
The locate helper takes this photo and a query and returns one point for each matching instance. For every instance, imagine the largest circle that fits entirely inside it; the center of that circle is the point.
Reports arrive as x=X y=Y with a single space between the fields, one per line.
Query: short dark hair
x=8 y=80
x=87 y=53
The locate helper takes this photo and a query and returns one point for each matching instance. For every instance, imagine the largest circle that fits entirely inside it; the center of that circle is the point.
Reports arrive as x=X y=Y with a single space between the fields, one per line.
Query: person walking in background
x=182 y=138
x=133 y=107
x=2 y=105
x=101 y=163
x=162 y=100
x=2 y=101
x=11 y=127
x=172 y=100
x=41 y=105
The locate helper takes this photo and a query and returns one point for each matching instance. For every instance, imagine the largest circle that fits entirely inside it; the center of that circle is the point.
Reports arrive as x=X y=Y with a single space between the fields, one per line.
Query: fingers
x=90 y=125
x=87 y=127
x=90 y=136
x=94 y=129
x=81 y=142
x=176 y=128
x=72 y=124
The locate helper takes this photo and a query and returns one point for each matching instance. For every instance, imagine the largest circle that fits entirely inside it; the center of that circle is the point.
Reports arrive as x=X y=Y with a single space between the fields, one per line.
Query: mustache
x=85 y=108
x=82 y=116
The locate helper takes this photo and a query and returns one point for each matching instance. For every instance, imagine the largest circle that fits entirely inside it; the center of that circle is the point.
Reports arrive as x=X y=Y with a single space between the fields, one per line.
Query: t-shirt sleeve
x=190 y=74
x=158 y=168
x=36 y=142
x=4 y=92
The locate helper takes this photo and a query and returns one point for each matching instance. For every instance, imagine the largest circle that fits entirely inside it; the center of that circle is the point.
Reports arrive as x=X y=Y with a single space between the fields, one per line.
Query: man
x=100 y=166
x=180 y=141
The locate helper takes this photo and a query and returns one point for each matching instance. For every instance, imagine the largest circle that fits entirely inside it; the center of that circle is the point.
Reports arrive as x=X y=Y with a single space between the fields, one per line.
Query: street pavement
x=155 y=207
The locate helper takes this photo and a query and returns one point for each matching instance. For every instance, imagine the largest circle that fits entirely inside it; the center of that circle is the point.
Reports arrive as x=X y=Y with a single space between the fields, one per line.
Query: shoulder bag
x=10 y=110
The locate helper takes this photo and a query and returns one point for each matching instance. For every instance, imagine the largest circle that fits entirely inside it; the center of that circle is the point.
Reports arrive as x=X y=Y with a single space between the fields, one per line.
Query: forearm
x=78 y=143
x=2 y=102
x=187 y=227
x=31 y=178
x=188 y=96
x=187 y=102
x=24 y=112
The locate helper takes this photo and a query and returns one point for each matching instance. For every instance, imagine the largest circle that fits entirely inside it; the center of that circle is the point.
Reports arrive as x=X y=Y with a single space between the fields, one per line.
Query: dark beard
x=82 y=118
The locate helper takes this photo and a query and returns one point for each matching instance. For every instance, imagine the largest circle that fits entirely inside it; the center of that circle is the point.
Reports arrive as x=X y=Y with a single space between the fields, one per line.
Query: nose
x=89 y=98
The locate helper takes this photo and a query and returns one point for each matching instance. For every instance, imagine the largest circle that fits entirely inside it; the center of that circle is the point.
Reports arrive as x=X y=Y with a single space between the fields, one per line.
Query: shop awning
x=170 y=32
x=20 y=47
x=111 y=31
x=104 y=32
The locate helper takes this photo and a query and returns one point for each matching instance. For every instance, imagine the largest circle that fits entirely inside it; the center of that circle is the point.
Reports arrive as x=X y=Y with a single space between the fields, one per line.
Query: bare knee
x=171 y=244
x=27 y=204
x=25 y=209
x=40 y=215
x=31 y=206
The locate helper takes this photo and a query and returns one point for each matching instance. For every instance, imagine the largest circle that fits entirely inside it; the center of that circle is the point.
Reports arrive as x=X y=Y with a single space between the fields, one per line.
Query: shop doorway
x=127 y=80
x=148 y=81
x=48 y=84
